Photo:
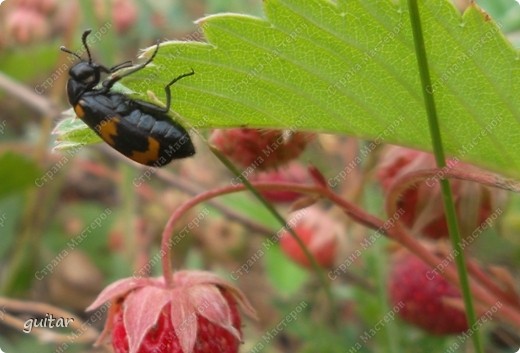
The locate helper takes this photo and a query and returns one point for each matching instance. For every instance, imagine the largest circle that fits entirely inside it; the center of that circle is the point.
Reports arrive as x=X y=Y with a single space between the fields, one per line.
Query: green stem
x=319 y=271
x=410 y=180
x=447 y=197
x=129 y=212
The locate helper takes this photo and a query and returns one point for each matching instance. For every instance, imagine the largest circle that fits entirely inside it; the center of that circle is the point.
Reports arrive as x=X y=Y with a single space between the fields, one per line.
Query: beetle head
x=85 y=72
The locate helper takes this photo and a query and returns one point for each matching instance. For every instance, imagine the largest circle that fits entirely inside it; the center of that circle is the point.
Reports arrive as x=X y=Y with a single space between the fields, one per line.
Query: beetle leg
x=120 y=66
x=107 y=84
x=166 y=109
x=167 y=88
x=104 y=68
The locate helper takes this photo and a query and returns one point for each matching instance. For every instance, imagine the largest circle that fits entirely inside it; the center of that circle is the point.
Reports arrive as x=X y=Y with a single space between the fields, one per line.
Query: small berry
x=258 y=148
x=26 y=25
x=43 y=6
x=197 y=314
x=292 y=173
x=423 y=206
x=421 y=293
x=318 y=231
x=124 y=14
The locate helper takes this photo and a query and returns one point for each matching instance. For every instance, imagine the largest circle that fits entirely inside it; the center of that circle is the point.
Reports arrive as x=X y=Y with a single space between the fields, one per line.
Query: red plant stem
x=398 y=234
x=410 y=179
x=394 y=231
x=485 y=279
x=168 y=229
x=484 y=178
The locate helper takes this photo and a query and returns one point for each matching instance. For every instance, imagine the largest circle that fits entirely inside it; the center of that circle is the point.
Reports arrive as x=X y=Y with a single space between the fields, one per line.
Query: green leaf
x=72 y=132
x=19 y=64
x=17 y=173
x=285 y=276
x=11 y=210
x=349 y=67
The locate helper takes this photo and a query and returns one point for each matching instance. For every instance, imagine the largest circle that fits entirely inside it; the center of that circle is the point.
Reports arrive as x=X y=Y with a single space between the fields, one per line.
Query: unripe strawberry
x=422 y=296
x=423 y=206
x=318 y=231
x=198 y=313
x=294 y=173
x=260 y=149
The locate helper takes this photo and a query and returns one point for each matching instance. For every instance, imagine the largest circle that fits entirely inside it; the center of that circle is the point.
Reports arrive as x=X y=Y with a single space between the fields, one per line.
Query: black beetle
x=140 y=130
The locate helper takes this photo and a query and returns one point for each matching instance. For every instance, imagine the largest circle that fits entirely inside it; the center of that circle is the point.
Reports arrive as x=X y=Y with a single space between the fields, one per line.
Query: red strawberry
x=424 y=211
x=260 y=149
x=422 y=296
x=318 y=231
x=197 y=314
x=294 y=172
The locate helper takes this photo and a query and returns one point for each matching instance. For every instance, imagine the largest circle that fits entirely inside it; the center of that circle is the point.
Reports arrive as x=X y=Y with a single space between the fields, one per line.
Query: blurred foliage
x=78 y=186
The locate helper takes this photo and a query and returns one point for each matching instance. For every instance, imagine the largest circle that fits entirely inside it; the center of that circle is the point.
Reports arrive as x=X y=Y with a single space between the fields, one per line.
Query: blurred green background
x=48 y=200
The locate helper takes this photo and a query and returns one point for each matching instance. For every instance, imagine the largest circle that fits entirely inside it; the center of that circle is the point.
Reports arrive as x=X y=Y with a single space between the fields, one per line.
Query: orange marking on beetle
x=150 y=155
x=78 y=109
x=107 y=129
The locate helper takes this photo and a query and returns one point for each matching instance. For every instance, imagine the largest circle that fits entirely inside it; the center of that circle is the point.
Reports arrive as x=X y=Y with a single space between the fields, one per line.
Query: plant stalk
x=447 y=197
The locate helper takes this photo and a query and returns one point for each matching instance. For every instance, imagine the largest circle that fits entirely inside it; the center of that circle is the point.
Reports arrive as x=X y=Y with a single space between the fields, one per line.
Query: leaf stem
x=438 y=150
x=390 y=229
x=319 y=271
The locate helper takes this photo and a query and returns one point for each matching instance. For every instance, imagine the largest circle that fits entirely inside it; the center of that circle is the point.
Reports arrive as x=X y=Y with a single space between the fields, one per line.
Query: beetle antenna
x=84 y=40
x=62 y=48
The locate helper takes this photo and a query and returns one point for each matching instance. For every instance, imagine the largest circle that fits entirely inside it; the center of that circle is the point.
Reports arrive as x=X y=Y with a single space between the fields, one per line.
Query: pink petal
x=142 y=308
x=191 y=278
x=184 y=319
x=118 y=289
x=211 y=304
x=109 y=323
x=242 y=301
